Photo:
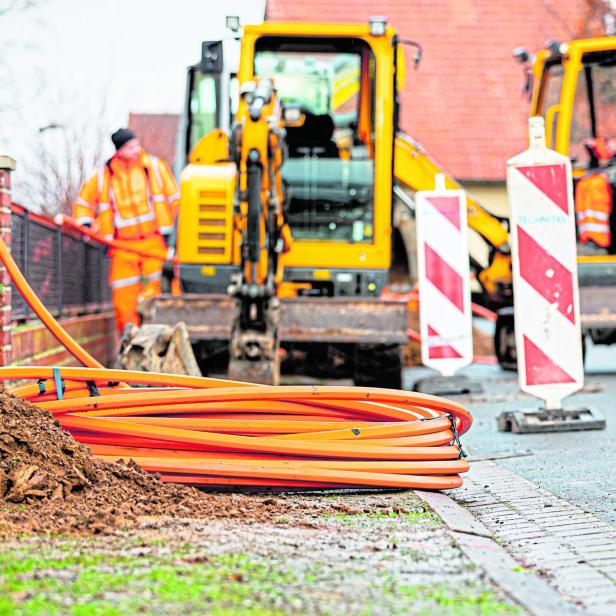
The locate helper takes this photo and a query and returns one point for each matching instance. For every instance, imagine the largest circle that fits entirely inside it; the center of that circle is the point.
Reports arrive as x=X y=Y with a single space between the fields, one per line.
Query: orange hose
x=303 y=474
x=60 y=334
x=67 y=221
x=213 y=432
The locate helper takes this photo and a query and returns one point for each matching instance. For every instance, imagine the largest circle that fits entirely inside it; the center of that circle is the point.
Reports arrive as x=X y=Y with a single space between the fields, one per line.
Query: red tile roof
x=464 y=104
x=157 y=132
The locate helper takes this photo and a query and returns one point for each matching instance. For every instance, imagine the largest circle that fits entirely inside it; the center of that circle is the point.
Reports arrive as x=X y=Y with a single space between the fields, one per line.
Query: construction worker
x=594 y=195
x=133 y=199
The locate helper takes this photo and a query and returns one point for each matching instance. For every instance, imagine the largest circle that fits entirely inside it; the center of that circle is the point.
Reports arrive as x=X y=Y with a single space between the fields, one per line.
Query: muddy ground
x=365 y=554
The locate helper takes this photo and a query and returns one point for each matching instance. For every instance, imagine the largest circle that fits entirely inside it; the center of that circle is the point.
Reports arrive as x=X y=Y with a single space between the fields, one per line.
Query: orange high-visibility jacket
x=593 y=207
x=129 y=200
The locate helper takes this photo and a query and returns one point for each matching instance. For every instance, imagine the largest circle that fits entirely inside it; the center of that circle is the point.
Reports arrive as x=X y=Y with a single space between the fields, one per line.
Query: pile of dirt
x=49 y=483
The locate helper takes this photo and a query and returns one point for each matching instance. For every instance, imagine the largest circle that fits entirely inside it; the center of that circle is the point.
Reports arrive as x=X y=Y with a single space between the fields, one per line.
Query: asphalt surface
x=577 y=466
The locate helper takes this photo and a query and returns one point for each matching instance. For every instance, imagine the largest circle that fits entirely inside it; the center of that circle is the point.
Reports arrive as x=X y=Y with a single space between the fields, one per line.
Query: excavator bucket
x=158 y=348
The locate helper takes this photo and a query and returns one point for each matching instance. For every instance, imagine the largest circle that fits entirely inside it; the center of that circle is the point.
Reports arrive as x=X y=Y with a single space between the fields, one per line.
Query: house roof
x=464 y=104
x=157 y=133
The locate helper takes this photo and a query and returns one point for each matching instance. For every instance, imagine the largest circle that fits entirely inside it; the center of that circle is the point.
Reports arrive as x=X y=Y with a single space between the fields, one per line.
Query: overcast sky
x=67 y=55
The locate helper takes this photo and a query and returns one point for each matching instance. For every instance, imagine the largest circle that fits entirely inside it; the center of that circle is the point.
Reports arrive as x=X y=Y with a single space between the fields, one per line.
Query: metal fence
x=66 y=270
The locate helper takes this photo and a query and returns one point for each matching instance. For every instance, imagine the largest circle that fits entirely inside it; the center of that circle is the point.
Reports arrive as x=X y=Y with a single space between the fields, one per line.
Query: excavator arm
x=414 y=169
x=255 y=340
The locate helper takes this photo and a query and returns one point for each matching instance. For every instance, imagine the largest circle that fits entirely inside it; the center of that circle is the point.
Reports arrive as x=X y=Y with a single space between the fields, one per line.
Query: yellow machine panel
x=205 y=228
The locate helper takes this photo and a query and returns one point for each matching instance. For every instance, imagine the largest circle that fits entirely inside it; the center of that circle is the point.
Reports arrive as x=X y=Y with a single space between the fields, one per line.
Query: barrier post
x=545 y=288
x=444 y=289
x=7 y=166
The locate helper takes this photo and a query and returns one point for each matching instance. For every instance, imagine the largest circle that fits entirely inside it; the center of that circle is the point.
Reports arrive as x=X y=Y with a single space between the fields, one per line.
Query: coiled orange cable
x=214 y=432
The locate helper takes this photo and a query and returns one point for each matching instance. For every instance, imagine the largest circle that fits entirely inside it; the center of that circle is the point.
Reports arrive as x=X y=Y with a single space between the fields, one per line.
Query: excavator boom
x=415 y=169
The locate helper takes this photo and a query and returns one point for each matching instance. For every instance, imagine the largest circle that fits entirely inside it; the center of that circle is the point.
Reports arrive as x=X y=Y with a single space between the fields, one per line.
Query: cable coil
x=214 y=432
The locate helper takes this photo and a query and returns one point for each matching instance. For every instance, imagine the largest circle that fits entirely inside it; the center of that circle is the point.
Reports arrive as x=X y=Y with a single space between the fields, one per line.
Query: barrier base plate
x=560 y=420
x=456 y=385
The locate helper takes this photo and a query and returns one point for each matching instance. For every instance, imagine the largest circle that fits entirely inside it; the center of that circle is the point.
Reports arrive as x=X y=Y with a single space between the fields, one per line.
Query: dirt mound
x=50 y=483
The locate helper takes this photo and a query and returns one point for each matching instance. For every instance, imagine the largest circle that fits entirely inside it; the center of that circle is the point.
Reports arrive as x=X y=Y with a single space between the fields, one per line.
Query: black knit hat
x=121 y=136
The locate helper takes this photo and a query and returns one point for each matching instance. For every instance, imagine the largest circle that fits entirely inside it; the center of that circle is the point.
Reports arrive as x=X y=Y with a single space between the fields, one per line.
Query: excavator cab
x=329 y=173
x=337 y=182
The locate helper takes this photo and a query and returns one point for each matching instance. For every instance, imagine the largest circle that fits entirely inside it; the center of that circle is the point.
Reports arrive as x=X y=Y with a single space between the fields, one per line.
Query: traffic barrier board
x=444 y=279
x=545 y=282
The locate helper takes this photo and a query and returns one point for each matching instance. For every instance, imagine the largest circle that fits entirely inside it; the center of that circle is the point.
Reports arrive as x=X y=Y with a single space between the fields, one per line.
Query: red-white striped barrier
x=545 y=282
x=444 y=279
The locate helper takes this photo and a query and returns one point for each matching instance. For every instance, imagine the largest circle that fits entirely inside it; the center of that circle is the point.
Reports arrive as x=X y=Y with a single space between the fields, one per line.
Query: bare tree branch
x=69 y=150
x=8 y=7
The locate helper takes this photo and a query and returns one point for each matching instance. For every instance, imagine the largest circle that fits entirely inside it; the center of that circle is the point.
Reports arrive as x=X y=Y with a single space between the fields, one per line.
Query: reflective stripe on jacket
x=593 y=207
x=130 y=200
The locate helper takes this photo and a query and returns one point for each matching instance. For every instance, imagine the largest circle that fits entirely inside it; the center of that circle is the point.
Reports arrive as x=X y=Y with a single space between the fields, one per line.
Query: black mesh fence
x=66 y=270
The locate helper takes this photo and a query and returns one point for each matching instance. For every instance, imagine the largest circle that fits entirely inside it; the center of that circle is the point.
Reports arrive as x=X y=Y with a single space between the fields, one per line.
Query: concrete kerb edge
x=478 y=544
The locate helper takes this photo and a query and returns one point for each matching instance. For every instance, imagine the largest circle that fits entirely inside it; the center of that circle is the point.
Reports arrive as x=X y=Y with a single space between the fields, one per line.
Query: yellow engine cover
x=205 y=225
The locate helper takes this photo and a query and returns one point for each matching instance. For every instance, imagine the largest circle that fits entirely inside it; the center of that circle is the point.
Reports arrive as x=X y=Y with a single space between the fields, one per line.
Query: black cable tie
x=93 y=389
x=42 y=388
x=456 y=436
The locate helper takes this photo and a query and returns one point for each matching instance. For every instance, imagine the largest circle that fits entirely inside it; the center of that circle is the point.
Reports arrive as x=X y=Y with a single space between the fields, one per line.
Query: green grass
x=104 y=584
x=411 y=517
x=445 y=601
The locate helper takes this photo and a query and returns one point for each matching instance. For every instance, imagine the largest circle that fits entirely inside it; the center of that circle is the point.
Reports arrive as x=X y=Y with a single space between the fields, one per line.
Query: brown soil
x=49 y=483
x=412 y=350
x=482 y=343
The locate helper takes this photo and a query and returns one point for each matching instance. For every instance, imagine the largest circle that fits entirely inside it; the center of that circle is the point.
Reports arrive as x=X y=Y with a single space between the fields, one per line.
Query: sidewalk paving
x=572 y=549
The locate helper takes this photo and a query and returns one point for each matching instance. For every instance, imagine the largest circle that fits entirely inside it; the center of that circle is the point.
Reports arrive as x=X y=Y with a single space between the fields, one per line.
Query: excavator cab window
x=203 y=106
x=593 y=116
x=329 y=173
x=594 y=110
x=592 y=147
x=551 y=86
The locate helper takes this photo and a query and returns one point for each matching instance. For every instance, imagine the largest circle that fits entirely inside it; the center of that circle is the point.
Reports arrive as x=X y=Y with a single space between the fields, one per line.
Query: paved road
x=577 y=466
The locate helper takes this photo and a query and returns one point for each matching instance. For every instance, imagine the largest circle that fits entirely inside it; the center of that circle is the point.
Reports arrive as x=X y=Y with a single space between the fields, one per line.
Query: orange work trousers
x=134 y=277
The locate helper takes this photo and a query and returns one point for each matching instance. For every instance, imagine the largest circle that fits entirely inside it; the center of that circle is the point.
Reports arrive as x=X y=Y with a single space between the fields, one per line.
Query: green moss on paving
x=447 y=601
x=411 y=517
x=462 y=603
x=226 y=584
x=173 y=575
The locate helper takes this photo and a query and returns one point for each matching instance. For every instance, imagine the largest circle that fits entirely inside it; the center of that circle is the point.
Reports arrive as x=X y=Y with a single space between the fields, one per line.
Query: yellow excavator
x=284 y=246
x=573 y=87
x=333 y=86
